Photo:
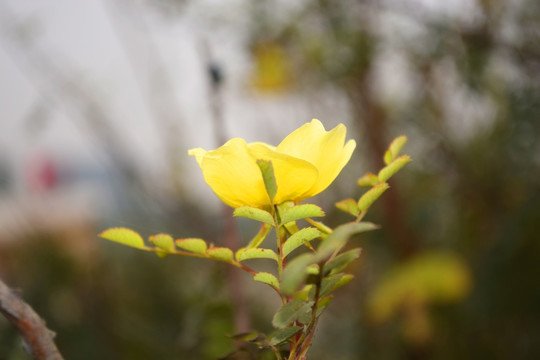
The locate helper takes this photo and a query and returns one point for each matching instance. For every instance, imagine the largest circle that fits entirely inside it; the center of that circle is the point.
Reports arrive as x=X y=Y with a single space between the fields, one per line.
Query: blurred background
x=100 y=101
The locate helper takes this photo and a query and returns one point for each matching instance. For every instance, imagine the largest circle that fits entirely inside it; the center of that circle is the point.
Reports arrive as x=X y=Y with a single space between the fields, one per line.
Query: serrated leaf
x=389 y=170
x=373 y=194
x=394 y=149
x=327 y=285
x=349 y=206
x=341 y=261
x=255 y=253
x=197 y=246
x=340 y=236
x=334 y=282
x=267 y=278
x=220 y=253
x=290 y=312
x=261 y=235
x=300 y=212
x=283 y=335
x=123 y=236
x=304 y=318
x=295 y=273
x=267 y=171
x=254 y=214
x=299 y=238
x=164 y=242
x=368 y=180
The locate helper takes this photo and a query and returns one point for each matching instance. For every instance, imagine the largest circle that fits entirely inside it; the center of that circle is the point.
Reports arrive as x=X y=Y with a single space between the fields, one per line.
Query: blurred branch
x=38 y=340
x=231 y=237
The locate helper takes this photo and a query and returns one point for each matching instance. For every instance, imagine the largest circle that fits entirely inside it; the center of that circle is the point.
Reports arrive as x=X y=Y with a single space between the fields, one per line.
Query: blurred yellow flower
x=305 y=163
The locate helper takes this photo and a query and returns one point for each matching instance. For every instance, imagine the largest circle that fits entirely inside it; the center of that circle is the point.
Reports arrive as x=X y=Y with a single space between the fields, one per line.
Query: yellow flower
x=305 y=163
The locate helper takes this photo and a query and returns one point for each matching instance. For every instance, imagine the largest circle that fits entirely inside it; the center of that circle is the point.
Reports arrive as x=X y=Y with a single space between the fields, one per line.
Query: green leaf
x=246 y=336
x=331 y=283
x=267 y=278
x=304 y=318
x=299 y=238
x=303 y=293
x=291 y=227
x=326 y=285
x=322 y=228
x=341 y=261
x=290 y=312
x=220 y=253
x=394 y=149
x=267 y=171
x=124 y=236
x=368 y=180
x=197 y=246
x=283 y=335
x=261 y=235
x=255 y=253
x=373 y=194
x=295 y=272
x=389 y=170
x=300 y=212
x=345 y=279
x=340 y=236
x=254 y=214
x=323 y=303
x=349 y=206
x=164 y=242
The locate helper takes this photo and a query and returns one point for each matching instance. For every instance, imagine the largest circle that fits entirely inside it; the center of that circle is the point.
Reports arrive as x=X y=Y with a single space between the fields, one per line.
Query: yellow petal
x=232 y=174
x=324 y=149
x=198 y=153
x=294 y=177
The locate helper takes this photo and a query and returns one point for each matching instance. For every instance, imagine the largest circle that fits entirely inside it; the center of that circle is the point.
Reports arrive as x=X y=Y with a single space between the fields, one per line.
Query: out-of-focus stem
x=37 y=338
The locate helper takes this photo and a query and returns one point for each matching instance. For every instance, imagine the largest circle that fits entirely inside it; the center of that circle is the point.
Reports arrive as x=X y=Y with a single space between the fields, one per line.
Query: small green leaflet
x=368 y=180
x=331 y=283
x=299 y=238
x=220 y=253
x=389 y=170
x=124 y=236
x=197 y=246
x=373 y=194
x=300 y=212
x=267 y=278
x=340 y=236
x=394 y=149
x=267 y=171
x=295 y=272
x=341 y=261
x=254 y=214
x=290 y=312
x=255 y=253
x=283 y=335
x=349 y=206
x=163 y=242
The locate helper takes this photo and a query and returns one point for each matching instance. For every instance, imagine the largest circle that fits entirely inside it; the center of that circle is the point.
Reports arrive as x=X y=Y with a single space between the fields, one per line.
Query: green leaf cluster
x=377 y=183
x=309 y=259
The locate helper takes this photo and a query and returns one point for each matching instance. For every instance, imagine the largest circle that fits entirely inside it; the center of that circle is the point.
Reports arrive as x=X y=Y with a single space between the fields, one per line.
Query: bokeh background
x=100 y=101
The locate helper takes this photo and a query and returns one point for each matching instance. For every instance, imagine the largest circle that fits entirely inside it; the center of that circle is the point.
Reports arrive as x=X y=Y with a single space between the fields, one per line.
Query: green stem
x=304 y=342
